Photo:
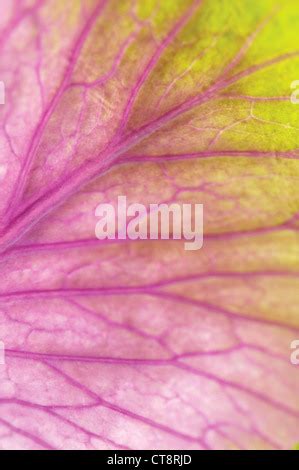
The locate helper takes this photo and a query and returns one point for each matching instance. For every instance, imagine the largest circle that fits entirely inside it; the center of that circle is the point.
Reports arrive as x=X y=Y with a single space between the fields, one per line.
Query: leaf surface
x=141 y=344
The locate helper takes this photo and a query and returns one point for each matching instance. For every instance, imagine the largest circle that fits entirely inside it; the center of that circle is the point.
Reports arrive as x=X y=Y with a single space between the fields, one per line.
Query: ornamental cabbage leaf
x=121 y=344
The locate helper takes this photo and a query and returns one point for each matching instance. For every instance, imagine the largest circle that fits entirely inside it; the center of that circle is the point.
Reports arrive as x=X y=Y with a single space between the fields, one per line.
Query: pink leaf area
x=141 y=344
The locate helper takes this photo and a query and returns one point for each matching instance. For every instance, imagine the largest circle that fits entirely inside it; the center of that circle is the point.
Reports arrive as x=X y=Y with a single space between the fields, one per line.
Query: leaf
x=122 y=344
